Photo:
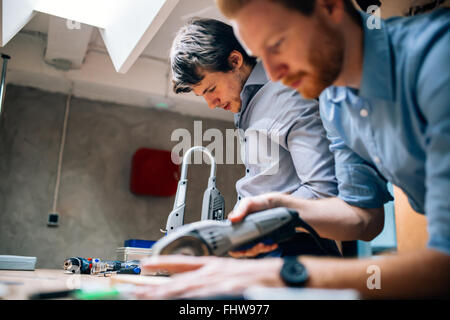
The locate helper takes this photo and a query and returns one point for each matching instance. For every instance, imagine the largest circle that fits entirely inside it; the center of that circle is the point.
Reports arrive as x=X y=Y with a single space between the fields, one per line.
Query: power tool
x=213 y=207
x=78 y=265
x=217 y=238
x=96 y=266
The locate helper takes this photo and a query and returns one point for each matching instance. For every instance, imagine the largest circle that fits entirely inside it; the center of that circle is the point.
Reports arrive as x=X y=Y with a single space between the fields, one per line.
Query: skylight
x=127 y=26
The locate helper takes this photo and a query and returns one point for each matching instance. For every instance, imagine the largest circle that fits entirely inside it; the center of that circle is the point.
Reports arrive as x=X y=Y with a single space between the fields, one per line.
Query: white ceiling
x=186 y=9
x=159 y=46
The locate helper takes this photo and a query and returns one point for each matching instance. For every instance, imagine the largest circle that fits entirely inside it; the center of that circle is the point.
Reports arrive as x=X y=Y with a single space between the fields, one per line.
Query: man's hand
x=258 y=203
x=250 y=205
x=417 y=274
x=332 y=218
x=209 y=276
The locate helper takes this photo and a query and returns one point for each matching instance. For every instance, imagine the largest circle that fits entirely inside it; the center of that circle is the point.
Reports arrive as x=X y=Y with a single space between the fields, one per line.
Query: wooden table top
x=21 y=284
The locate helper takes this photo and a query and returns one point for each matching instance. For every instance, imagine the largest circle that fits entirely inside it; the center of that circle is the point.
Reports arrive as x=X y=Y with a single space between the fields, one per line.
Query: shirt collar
x=258 y=76
x=377 y=76
x=335 y=94
x=257 y=79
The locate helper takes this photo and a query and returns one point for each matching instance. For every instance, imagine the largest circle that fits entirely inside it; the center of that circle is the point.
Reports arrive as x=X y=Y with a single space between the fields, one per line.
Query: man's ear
x=235 y=59
x=333 y=9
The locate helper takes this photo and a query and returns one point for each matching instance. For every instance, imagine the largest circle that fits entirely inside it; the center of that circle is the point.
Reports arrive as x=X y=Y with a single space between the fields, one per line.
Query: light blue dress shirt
x=272 y=118
x=396 y=127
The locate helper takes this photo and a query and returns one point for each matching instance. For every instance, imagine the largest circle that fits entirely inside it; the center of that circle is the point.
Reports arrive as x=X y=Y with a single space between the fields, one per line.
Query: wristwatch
x=293 y=273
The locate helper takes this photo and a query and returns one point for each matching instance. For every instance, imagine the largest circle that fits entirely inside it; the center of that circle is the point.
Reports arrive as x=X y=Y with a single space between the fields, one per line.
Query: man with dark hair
x=206 y=58
x=203 y=45
x=384 y=101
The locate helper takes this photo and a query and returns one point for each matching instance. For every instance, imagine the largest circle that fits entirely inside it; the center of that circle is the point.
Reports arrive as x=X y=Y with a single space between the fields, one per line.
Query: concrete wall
x=97 y=210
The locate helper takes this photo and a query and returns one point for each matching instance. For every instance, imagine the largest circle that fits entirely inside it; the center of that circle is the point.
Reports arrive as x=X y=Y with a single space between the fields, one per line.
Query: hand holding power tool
x=217 y=238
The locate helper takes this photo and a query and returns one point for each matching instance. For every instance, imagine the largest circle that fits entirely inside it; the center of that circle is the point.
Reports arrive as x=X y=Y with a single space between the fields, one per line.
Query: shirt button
x=377 y=160
x=363 y=113
x=248 y=170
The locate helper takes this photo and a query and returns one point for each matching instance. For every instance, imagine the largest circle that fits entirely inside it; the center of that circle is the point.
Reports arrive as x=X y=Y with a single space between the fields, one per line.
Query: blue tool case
x=137 y=243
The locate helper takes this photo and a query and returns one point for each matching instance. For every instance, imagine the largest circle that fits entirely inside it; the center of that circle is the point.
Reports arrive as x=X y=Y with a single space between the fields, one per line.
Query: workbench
x=21 y=284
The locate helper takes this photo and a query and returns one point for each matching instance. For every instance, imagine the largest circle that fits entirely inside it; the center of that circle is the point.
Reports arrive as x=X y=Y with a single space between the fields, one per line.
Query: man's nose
x=212 y=102
x=276 y=70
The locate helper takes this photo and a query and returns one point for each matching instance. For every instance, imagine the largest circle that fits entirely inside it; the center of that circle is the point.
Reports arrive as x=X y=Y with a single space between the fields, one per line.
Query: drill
x=95 y=266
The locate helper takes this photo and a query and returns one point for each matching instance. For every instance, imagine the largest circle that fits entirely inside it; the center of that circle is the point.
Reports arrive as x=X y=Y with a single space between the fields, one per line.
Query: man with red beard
x=385 y=105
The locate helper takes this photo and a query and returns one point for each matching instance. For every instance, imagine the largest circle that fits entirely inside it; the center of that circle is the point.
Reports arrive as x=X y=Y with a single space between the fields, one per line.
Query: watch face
x=294 y=273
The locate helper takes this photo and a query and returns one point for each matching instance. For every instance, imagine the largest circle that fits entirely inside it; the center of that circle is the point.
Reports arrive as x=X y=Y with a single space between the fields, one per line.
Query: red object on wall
x=154 y=173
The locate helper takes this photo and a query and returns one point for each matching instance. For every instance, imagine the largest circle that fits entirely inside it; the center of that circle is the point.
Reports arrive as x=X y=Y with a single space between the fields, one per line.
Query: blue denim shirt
x=396 y=127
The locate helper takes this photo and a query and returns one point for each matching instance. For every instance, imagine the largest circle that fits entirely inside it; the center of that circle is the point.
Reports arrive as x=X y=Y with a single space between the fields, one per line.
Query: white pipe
x=3 y=80
x=61 y=150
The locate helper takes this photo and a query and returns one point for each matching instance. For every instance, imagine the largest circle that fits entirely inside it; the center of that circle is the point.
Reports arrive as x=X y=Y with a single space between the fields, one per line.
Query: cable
x=317 y=239
x=61 y=150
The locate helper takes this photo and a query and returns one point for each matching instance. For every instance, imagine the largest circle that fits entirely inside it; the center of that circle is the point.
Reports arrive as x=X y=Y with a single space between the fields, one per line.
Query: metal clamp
x=213 y=203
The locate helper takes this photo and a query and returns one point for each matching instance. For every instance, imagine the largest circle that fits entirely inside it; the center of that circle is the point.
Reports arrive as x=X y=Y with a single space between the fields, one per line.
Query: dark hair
x=202 y=45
